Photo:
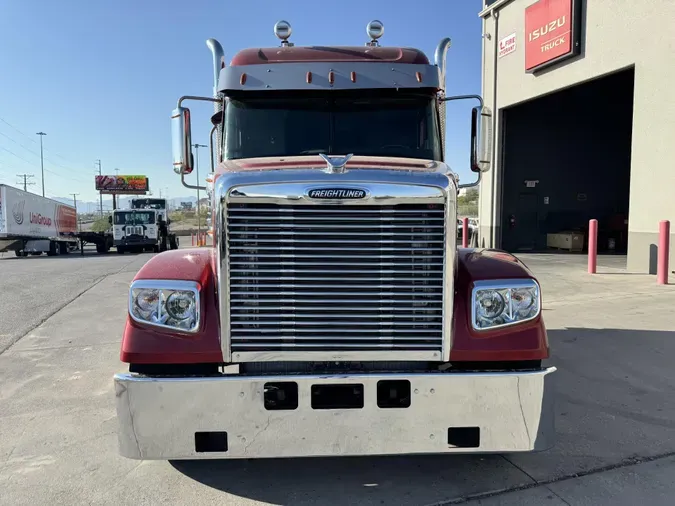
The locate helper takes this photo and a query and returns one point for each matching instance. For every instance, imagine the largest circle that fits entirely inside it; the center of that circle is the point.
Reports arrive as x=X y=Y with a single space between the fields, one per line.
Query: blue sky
x=101 y=78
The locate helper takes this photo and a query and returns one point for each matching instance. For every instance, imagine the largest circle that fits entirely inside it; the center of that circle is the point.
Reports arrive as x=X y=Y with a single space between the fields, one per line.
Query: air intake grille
x=335 y=278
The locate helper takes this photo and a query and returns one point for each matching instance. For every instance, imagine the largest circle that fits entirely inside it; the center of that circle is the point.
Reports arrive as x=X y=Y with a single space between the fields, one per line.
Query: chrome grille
x=335 y=277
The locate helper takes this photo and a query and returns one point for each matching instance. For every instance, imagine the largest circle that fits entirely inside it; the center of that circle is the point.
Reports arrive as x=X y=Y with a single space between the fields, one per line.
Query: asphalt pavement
x=612 y=335
x=36 y=287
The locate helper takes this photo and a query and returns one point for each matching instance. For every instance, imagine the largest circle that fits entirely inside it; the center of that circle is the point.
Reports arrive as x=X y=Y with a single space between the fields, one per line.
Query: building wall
x=615 y=35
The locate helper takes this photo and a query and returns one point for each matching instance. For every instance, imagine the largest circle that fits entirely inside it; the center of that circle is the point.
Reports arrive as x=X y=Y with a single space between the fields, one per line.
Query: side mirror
x=110 y=220
x=481 y=139
x=181 y=141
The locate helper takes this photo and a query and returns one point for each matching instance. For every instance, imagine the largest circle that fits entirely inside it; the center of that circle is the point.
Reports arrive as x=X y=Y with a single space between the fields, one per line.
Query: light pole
x=100 y=193
x=199 y=218
x=42 y=162
x=114 y=197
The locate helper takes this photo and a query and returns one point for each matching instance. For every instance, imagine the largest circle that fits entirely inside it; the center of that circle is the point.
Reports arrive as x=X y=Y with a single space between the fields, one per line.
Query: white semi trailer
x=32 y=225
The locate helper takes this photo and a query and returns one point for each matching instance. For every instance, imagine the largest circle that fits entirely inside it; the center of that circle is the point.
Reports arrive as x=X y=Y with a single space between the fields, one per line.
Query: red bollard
x=664 y=253
x=465 y=232
x=592 y=246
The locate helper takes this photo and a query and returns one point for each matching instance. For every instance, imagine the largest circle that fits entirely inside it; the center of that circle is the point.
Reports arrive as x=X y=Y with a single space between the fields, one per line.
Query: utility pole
x=199 y=218
x=100 y=194
x=114 y=197
x=42 y=162
x=25 y=183
x=77 y=221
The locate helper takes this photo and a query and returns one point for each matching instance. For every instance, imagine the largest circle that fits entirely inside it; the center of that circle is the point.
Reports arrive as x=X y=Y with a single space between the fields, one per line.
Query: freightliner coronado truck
x=334 y=314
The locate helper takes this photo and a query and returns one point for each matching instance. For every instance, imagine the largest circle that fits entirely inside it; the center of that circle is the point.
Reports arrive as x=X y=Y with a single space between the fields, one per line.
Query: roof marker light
x=309 y=78
x=418 y=75
x=353 y=77
x=331 y=77
x=242 y=79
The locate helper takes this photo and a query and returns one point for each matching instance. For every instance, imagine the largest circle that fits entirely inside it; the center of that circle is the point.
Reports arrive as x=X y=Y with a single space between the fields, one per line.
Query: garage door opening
x=567 y=160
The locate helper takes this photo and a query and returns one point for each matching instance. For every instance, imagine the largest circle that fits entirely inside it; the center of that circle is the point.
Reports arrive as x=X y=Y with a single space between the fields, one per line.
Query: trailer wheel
x=63 y=248
x=20 y=253
x=53 y=249
x=173 y=242
x=101 y=248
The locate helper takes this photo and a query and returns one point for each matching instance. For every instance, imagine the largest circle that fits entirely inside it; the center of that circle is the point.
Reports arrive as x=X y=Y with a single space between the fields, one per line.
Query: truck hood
x=316 y=162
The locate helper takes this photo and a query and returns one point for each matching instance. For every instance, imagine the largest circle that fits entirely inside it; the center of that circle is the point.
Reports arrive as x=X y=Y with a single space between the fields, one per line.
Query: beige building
x=584 y=124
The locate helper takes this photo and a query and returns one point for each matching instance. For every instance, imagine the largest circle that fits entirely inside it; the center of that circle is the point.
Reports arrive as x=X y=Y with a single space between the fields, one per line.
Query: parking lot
x=612 y=337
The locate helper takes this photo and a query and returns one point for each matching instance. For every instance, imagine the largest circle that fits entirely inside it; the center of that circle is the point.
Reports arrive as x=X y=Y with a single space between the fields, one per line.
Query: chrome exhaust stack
x=440 y=61
x=218 y=61
x=218 y=64
x=440 y=57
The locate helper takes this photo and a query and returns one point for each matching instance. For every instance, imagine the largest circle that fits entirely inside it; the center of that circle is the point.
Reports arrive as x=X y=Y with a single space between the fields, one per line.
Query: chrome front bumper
x=166 y=418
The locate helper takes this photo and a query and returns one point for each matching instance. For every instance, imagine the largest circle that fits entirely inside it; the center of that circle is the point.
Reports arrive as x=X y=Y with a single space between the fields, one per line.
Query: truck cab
x=167 y=239
x=334 y=314
x=158 y=204
x=135 y=230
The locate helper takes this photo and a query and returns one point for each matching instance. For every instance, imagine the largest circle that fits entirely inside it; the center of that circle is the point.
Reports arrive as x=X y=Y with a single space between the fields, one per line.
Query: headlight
x=168 y=304
x=498 y=303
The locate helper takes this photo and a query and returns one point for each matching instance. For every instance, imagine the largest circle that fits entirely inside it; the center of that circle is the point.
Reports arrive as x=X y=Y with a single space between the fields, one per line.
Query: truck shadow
x=407 y=480
x=614 y=407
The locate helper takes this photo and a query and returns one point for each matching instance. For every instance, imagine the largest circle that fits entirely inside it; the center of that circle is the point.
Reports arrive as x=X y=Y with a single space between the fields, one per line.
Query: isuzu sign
x=551 y=32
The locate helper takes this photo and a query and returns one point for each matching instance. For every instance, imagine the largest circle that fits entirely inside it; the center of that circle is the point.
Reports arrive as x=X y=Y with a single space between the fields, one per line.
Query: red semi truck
x=334 y=314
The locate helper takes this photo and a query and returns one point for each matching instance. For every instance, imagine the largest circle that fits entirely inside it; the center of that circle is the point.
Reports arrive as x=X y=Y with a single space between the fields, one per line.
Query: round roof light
x=283 y=30
x=375 y=29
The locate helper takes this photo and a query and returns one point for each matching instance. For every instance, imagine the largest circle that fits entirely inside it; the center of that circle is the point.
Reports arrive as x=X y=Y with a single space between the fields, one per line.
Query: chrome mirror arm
x=191 y=186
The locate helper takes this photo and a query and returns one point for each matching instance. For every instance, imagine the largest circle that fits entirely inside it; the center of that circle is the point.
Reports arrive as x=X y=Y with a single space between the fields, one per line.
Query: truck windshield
x=374 y=123
x=134 y=218
x=148 y=204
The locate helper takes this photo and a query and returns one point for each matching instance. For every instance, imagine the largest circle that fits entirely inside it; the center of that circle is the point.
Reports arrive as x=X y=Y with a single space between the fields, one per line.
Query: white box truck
x=31 y=224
